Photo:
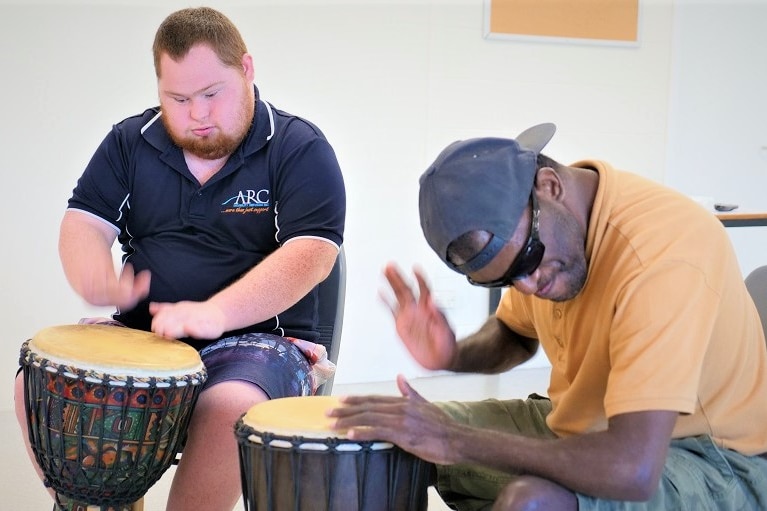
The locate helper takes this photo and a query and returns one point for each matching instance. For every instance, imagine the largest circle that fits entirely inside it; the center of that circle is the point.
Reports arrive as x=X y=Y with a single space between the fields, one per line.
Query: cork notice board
x=606 y=21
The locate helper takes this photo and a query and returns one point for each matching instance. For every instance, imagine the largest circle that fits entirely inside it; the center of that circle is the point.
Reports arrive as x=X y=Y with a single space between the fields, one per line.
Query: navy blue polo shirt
x=282 y=182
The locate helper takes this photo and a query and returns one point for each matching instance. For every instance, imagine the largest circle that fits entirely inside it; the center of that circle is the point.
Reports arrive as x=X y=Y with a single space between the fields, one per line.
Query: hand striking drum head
x=107 y=409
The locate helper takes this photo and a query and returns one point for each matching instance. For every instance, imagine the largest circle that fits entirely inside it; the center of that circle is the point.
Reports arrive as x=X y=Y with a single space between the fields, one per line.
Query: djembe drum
x=290 y=460
x=107 y=410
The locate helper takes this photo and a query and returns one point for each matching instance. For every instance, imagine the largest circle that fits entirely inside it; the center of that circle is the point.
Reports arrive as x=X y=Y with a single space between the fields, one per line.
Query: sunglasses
x=527 y=261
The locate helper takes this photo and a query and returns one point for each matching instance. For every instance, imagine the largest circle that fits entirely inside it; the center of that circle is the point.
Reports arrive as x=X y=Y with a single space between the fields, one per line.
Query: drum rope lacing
x=104 y=439
x=402 y=470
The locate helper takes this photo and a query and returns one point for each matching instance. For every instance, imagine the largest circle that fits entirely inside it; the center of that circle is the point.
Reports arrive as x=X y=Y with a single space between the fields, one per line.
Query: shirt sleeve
x=103 y=190
x=311 y=197
x=514 y=311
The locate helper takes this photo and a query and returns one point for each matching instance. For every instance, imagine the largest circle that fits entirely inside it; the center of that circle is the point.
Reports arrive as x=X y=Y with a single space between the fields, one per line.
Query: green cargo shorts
x=698 y=475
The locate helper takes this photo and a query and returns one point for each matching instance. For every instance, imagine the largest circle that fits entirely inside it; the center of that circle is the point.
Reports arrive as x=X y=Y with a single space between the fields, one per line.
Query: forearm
x=622 y=462
x=582 y=464
x=494 y=348
x=276 y=283
x=86 y=257
x=618 y=464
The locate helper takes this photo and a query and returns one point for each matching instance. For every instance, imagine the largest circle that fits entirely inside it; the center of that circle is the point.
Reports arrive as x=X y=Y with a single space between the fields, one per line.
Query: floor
x=21 y=490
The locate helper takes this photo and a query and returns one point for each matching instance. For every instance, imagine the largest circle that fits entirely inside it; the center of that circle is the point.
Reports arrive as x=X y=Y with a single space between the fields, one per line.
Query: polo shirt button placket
x=557 y=314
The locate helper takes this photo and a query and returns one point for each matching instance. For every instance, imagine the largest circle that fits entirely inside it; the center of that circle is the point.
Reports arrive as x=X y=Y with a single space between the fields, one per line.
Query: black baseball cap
x=479 y=184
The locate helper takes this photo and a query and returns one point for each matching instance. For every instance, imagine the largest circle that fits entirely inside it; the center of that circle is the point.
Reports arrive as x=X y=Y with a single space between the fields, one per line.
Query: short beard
x=220 y=145
x=576 y=269
x=210 y=148
x=577 y=272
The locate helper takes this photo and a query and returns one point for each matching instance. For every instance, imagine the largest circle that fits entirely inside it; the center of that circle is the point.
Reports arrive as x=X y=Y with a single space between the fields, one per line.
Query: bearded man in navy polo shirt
x=229 y=213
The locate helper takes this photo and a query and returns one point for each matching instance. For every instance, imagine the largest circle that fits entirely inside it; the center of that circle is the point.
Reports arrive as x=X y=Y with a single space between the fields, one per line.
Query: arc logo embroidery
x=247 y=202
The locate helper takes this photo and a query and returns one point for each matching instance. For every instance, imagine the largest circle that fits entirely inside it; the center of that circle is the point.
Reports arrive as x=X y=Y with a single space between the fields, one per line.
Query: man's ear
x=247 y=67
x=548 y=184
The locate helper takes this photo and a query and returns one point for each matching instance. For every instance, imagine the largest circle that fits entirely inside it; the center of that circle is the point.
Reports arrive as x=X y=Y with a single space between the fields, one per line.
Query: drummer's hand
x=128 y=289
x=200 y=320
x=410 y=421
x=420 y=324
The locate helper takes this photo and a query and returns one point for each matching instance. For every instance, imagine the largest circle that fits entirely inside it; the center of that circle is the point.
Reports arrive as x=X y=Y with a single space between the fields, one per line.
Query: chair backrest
x=756 y=282
x=331 y=294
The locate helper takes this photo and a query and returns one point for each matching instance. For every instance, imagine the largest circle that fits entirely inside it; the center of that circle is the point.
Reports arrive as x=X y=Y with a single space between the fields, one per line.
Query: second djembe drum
x=291 y=460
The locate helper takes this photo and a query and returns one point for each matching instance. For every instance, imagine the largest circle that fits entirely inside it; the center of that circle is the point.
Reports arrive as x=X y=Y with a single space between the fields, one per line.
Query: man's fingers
x=407 y=390
x=367 y=424
x=402 y=290
x=141 y=282
x=373 y=400
x=424 y=292
x=130 y=287
x=388 y=301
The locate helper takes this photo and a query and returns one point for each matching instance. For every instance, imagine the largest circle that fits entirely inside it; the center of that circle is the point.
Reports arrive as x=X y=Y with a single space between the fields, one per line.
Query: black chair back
x=331 y=294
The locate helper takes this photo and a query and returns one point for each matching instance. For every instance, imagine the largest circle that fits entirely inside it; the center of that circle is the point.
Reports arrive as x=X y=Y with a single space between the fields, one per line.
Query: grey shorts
x=698 y=474
x=269 y=361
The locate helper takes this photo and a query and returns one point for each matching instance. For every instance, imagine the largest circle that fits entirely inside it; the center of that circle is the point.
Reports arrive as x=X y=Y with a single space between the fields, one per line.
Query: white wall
x=717 y=146
x=390 y=83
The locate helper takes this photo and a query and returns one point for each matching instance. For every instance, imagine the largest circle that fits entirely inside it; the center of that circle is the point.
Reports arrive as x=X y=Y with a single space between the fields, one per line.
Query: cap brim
x=535 y=138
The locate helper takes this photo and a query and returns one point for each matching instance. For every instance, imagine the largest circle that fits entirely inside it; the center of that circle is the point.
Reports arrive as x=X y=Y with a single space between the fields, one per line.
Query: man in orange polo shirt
x=658 y=390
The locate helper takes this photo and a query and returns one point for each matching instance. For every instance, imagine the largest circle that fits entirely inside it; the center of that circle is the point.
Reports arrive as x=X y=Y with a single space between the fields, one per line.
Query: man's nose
x=528 y=285
x=199 y=110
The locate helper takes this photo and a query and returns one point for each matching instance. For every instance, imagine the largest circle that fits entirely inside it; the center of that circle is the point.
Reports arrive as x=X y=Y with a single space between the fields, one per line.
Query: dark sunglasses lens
x=526 y=264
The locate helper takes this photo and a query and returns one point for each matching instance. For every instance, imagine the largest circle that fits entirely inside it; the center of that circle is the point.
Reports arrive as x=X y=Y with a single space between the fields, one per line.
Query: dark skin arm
x=492 y=349
x=624 y=462
x=426 y=334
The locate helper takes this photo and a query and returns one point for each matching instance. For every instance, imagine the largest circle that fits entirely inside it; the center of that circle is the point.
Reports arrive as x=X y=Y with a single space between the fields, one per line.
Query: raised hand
x=422 y=327
x=130 y=288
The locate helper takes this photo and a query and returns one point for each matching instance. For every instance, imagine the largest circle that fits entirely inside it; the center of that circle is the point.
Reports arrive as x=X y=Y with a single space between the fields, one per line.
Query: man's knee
x=527 y=493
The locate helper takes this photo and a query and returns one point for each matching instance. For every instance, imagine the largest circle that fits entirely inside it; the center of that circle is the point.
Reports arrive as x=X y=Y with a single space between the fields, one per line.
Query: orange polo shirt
x=664 y=321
